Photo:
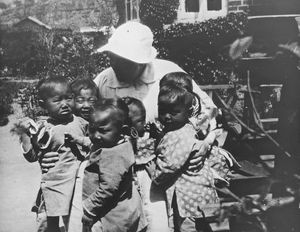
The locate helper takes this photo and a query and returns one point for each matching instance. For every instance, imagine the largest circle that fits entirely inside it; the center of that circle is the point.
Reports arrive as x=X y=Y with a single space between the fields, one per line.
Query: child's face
x=84 y=103
x=60 y=102
x=138 y=119
x=104 y=130
x=172 y=116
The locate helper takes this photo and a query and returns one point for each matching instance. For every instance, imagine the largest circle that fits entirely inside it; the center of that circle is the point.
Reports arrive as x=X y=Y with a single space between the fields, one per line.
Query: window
x=192 y=6
x=214 y=4
x=190 y=11
x=132 y=9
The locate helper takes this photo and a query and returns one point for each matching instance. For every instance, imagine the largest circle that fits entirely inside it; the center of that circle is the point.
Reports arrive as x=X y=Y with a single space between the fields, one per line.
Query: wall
x=203 y=14
x=65 y=14
x=263 y=7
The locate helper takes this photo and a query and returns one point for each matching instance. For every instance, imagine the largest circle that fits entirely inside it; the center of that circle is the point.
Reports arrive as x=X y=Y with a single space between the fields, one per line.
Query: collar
x=147 y=77
x=57 y=122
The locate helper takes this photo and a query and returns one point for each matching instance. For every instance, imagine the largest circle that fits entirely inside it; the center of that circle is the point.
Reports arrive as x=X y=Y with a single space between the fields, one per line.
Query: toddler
x=109 y=193
x=199 y=119
x=189 y=197
x=140 y=133
x=143 y=143
x=86 y=94
x=219 y=159
x=49 y=135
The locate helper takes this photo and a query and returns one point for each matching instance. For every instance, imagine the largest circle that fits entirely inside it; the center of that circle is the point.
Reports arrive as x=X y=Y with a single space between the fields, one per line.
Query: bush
x=27 y=98
x=20 y=51
x=155 y=13
x=59 y=52
x=7 y=93
x=201 y=48
x=71 y=56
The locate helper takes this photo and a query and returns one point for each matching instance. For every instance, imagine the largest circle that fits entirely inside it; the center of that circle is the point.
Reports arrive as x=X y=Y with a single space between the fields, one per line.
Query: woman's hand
x=196 y=162
x=48 y=161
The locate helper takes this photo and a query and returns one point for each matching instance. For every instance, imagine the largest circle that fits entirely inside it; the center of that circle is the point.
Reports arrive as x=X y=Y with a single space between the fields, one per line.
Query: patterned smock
x=195 y=194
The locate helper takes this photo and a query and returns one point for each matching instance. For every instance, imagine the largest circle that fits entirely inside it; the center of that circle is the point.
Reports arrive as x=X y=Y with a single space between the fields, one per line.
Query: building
x=200 y=10
x=31 y=24
x=74 y=14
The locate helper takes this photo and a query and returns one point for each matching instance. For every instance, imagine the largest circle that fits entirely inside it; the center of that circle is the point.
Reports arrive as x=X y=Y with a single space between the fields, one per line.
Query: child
x=183 y=80
x=219 y=159
x=86 y=94
x=57 y=184
x=139 y=134
x=189 y=197
x=109 y=194
x=143 y=144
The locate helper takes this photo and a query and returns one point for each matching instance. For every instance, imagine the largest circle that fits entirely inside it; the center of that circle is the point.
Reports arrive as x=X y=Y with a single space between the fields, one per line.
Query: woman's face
x=126 y=71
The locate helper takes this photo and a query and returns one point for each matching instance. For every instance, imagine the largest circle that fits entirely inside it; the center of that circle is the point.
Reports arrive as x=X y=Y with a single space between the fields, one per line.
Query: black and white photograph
x=149 y=115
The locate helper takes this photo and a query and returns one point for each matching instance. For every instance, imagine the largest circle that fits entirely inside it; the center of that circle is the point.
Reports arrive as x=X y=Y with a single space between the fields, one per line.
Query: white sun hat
x=132 y=41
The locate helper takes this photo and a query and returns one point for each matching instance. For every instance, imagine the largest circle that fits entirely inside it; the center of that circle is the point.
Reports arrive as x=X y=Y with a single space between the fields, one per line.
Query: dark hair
x=83 y=83
x=130 y=101
x=180 y=79
x=117 y=105
x=184 y=81
x=176 y=95
x=47 y=85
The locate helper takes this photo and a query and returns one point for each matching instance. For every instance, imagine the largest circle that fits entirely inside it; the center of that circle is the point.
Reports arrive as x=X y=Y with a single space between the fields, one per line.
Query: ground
x=19 y=183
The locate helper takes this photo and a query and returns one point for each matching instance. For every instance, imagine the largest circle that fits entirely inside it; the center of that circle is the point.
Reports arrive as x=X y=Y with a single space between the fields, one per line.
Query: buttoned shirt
x=146 y=87
x=108 y=190
x=58 y=183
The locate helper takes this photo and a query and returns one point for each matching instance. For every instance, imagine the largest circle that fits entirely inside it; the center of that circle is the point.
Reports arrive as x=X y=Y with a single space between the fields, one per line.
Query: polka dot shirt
x=194 y=194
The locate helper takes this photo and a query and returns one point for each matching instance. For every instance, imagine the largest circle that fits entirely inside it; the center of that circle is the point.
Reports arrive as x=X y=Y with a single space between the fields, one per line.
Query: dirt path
x=19 y=182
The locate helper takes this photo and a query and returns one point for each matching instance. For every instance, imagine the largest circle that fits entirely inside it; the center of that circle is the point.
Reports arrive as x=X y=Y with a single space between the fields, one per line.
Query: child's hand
x=29 y=126
x=153 y=130
x=25 y=129
x=70 y=138
x=73 y=139
x=25 y=126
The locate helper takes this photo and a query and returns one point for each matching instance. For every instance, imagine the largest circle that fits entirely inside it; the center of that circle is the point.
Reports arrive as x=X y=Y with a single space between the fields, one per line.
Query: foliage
x=59 y=53
x=157 y=13
x=18 y=52
x=71 y=56
x=201 y=48
x=27 y=98
x=5 y=103
x=64 y=53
